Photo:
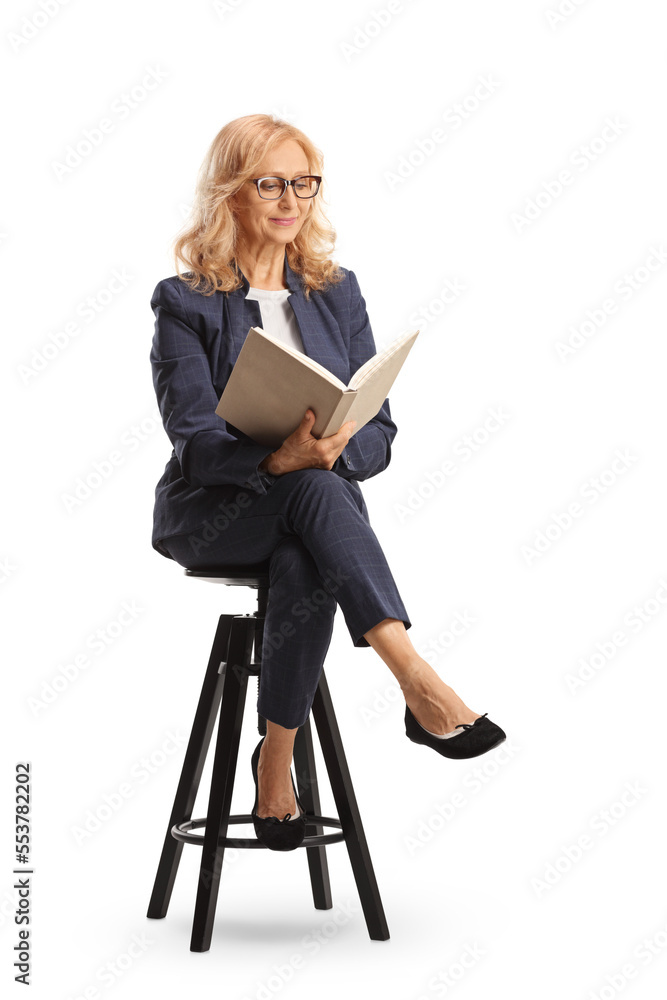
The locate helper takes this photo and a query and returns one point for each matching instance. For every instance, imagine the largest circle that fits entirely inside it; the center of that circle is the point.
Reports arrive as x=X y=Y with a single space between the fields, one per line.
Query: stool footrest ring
x=183 y=832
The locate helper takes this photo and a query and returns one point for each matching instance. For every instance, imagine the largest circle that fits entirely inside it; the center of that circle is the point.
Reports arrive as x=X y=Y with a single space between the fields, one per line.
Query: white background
x=500 y=878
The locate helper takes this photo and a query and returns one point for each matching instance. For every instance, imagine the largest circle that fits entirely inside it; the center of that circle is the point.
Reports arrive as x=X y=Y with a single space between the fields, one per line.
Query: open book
x=272 y=385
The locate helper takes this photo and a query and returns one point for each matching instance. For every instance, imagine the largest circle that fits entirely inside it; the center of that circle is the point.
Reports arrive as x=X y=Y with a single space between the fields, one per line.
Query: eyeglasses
x=273 y=188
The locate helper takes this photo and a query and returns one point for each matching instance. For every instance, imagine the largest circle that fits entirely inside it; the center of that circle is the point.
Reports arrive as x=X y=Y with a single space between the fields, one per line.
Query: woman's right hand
x=303 y=451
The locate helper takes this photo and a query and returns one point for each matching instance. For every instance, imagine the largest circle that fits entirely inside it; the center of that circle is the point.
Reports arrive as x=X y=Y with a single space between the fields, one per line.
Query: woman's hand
x=303 y=451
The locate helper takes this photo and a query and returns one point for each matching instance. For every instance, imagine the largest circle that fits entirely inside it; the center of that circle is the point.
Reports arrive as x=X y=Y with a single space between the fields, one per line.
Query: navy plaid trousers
x=314 y=527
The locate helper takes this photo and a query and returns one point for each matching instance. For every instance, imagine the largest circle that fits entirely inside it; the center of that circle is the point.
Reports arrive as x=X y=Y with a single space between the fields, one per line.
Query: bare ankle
x=414 y=678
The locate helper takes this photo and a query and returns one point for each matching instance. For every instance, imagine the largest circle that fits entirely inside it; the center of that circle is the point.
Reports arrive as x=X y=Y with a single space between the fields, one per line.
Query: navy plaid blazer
x=196 y=342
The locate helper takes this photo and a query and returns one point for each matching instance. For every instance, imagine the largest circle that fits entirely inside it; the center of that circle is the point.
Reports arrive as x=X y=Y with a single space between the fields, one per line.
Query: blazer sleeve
x=368 y=451
x=208 y=454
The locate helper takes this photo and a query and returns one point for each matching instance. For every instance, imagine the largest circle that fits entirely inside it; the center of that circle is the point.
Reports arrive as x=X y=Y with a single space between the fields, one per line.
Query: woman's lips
x=283 y=222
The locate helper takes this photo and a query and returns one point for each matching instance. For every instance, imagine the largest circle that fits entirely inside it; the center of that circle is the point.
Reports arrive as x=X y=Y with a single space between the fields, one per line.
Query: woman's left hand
x=301 y=450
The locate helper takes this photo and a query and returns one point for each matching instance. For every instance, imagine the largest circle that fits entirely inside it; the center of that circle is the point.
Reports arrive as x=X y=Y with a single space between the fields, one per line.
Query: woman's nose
x=289 y=198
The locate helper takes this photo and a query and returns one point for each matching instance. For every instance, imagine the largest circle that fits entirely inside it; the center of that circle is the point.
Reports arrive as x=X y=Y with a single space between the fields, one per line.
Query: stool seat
x=234 y=574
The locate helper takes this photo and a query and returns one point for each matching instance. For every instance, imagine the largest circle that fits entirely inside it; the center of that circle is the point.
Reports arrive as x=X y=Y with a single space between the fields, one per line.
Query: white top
x=278 y=317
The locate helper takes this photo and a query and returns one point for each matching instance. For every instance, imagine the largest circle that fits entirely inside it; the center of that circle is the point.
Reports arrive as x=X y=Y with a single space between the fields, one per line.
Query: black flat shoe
x=477 y=737
x=277 y=834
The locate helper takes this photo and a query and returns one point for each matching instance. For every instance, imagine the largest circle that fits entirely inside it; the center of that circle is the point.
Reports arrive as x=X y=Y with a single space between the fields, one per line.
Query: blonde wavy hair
x=207 y=243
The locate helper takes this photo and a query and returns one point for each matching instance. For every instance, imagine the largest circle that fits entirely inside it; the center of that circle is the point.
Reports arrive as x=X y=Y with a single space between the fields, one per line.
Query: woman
x=258 y=254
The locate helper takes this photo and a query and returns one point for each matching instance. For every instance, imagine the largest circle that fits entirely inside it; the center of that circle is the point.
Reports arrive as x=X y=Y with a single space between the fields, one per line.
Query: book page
x=270 y=388
x=378 y=377
x=303 y=358
x=382 y=358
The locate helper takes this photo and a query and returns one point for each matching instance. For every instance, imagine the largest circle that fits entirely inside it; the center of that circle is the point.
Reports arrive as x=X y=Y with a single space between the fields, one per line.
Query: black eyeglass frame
x=272 y=177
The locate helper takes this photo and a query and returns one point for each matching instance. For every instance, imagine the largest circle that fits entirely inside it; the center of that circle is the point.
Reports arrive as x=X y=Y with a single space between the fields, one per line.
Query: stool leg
x=222 y=780
x=306 y=782
x=348 y=812
x=259 y=633
x=193 y=765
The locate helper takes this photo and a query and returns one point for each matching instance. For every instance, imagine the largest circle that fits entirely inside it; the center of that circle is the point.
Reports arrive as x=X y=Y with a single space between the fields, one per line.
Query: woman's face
x=278 y=222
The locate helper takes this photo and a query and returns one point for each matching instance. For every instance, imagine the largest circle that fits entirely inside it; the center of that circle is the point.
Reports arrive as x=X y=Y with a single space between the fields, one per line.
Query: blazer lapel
x=243 y=313
x=320 y=342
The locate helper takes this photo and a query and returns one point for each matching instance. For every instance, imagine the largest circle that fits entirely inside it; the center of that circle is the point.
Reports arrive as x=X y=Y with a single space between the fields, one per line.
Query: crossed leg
x=434 y=704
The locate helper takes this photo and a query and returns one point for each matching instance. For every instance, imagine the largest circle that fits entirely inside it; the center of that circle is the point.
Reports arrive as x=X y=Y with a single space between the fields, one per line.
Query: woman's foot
x=432 y=707
x=276 y=795
x=435 y=705
x=277 y=833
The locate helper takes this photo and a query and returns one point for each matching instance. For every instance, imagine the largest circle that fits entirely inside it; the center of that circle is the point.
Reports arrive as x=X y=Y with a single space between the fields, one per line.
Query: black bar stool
x=230 y=664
